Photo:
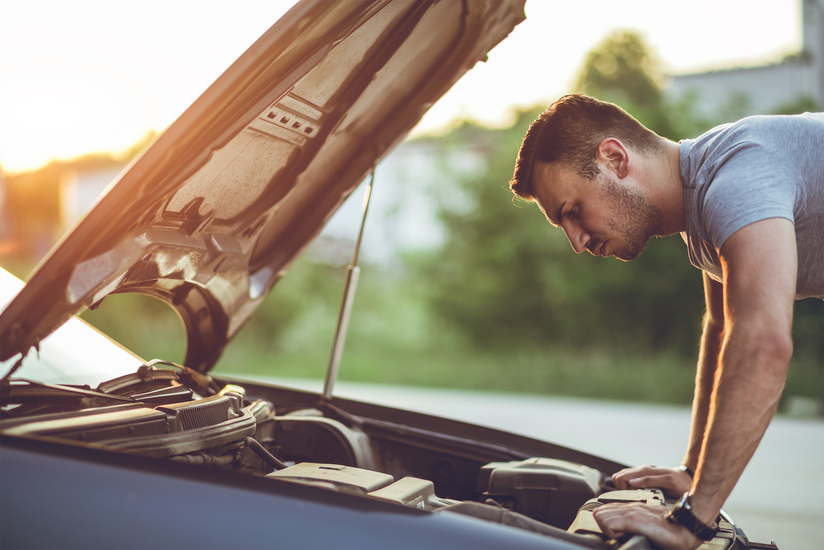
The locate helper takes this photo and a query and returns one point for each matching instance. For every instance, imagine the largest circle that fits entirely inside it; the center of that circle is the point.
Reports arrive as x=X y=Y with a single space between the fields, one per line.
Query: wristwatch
x=687 y=469
x=682 y=514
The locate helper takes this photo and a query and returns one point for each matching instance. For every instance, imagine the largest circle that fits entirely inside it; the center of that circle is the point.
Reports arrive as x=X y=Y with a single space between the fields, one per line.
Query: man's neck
x=665 y=187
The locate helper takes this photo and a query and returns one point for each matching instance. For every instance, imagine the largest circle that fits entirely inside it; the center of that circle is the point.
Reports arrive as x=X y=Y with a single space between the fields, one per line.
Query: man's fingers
x=648 y=481
x=617 y=519
x=674 y=482
x=621 y=479
x=659 y=482
x=648 y=520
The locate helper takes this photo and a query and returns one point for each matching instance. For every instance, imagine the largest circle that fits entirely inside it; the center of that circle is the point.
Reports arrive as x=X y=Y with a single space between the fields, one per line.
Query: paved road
x=779 y=498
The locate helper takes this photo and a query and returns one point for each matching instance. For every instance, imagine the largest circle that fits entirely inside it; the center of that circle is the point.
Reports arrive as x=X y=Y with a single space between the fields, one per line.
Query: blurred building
x=79 y=190
x=402 y=212
x=766 y=88
x=402 y=215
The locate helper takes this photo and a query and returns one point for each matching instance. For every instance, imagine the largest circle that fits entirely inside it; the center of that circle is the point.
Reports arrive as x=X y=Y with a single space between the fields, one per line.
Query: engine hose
x=205 y=459
x=261 y=451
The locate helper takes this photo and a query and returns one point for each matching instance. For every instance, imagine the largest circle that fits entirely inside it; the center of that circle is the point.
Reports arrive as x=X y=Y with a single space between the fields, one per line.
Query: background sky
x=79 y=77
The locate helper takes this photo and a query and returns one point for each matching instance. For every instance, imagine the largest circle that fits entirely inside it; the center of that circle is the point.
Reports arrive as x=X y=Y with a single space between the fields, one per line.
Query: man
x=748 y=199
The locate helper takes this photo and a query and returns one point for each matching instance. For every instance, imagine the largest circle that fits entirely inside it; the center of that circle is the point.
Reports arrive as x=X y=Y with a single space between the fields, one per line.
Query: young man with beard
x=748 y=199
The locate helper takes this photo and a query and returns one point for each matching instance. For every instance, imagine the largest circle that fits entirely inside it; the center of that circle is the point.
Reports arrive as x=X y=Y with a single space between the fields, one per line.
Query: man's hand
x=672 y=481
x=647 y=520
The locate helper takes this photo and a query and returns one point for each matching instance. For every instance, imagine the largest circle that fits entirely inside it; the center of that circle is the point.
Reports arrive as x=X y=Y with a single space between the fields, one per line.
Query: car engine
x=184 y=416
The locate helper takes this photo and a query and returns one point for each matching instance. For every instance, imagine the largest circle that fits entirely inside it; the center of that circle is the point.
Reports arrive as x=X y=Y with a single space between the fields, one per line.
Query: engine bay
x=181 y=415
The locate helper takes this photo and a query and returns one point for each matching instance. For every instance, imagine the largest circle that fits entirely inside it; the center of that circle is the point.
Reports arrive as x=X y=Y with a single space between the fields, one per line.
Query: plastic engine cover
x=544 y=489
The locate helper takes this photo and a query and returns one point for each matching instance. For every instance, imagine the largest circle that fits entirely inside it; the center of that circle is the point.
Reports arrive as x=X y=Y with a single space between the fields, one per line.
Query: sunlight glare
x=79 y=76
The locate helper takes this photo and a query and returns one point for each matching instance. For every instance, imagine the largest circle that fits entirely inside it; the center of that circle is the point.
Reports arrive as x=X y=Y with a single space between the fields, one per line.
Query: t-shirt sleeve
x=750 y=184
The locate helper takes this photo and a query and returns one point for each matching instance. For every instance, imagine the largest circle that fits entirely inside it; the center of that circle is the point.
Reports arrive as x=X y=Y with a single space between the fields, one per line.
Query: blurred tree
x=686 y=119
x=624 y=70
x=505 y=277
x=735 y=107
x=801 y=104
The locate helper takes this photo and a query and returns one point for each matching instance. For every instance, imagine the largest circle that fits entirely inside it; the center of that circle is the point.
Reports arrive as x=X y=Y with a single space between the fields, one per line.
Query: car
x=101 y=448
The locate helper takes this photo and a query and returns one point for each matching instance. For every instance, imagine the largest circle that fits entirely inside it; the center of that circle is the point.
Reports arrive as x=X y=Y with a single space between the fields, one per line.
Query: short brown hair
x=569 y=131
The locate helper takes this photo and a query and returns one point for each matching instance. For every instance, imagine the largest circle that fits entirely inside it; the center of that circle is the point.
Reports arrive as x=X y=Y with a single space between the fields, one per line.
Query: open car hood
x=218 y=207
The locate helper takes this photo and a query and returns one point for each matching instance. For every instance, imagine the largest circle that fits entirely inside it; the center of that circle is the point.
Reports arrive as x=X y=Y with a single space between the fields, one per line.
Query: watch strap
x=687 y=469
x=682 y=514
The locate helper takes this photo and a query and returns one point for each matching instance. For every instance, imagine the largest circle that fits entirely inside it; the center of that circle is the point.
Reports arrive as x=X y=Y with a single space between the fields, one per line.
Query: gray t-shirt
x=757 y=168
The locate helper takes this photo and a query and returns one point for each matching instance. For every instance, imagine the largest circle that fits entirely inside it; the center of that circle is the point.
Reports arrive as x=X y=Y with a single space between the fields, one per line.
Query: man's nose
x=578 y=238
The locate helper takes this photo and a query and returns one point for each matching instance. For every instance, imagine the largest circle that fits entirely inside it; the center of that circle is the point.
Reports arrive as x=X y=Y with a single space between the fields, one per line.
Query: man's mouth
x=599 y=249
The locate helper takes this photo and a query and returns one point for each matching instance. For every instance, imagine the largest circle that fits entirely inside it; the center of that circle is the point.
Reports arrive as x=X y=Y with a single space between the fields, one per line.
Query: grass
x=591 y=374
x=596 y=374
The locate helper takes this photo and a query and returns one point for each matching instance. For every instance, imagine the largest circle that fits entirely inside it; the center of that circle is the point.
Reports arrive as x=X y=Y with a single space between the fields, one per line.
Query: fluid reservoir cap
x=345 y=477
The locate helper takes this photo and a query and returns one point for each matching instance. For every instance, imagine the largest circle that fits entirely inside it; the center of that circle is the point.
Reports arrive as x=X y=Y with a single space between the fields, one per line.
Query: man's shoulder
x=755 y=146
x=739 y=174
x=766 y=125
x=756 y=169
x=772 y=132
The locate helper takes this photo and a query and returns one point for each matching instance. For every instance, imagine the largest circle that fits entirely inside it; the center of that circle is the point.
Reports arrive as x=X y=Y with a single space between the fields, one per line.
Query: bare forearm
x=708 y=360
x=748 y=386
x=753 y=307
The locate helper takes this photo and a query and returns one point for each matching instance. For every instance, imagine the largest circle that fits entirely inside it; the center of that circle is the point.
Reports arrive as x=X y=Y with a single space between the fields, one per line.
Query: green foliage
x=142 y=324
x=505 y=304
x=801 y=104
x=290 y=334
x=622 y=63
x=808 y=327
x=623 y=69
x=507 y=278
x=735 y=107
x=686 y=119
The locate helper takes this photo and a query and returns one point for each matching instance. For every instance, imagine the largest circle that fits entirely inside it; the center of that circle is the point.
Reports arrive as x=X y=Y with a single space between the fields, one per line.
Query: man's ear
x=612 y=152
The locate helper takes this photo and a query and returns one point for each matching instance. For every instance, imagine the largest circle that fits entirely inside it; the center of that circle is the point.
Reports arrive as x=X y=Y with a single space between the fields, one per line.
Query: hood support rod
x=352 y=273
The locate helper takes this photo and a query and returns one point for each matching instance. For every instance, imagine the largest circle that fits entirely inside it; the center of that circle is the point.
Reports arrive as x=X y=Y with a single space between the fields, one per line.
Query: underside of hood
x=219 y=206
